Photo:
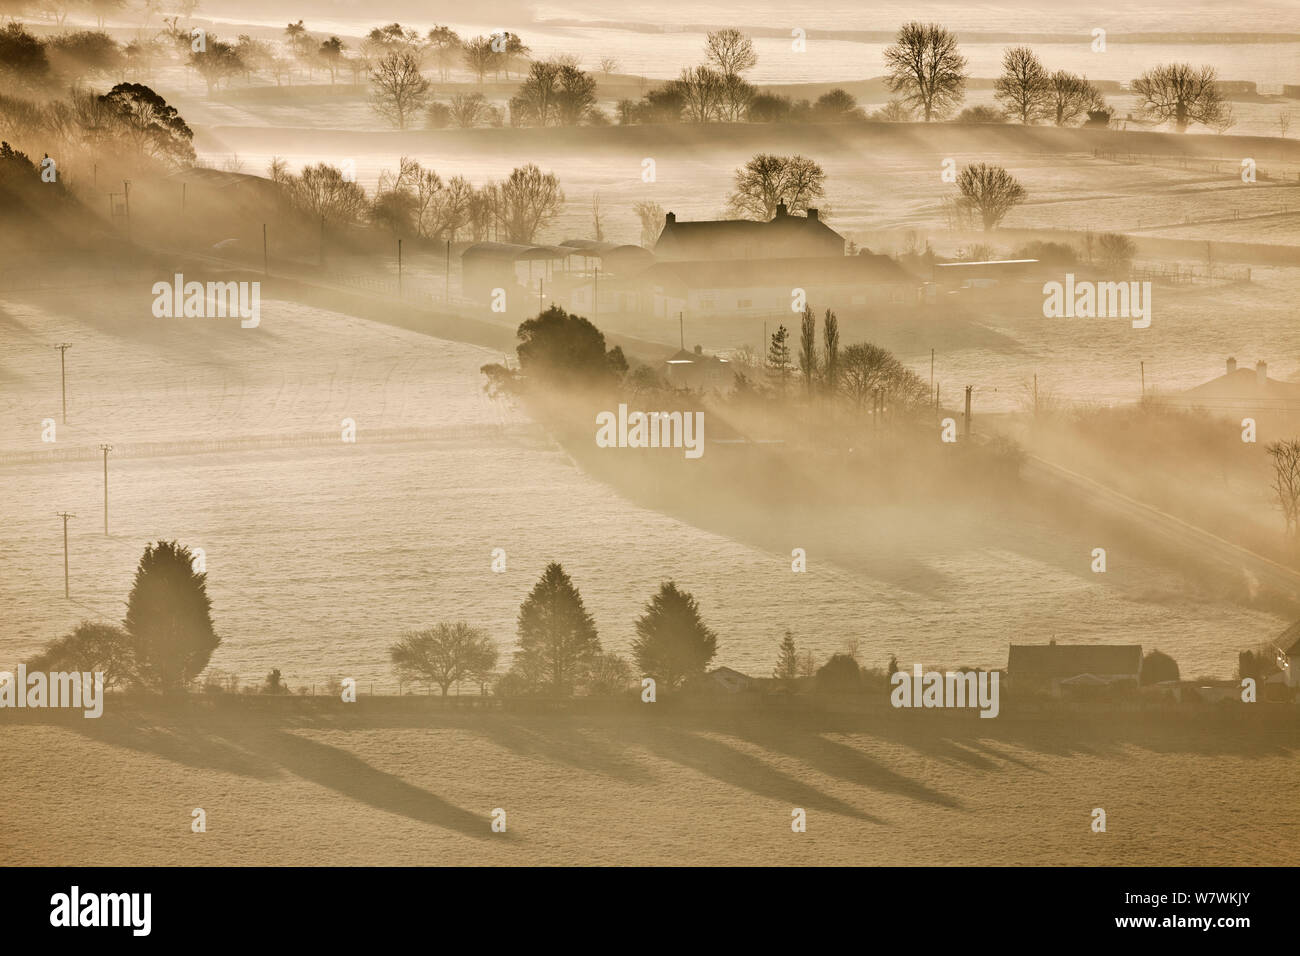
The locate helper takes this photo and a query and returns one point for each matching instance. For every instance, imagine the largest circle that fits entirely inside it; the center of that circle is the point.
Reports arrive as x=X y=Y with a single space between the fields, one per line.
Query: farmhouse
x=782 y=236
x=1069 y=668
x=1245 y=391
x=698 y=370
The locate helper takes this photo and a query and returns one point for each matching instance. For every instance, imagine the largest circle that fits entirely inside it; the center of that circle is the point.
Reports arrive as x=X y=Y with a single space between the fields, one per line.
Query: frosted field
x=610 y=789
x=320 y=553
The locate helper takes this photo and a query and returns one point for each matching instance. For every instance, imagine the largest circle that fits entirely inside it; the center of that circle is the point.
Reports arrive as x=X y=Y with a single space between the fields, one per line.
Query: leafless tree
x=1286 y=480
x=1180 y=93
x=322 y=192
x=468 y=109
x=926 y=68
x=1284 y=123
x=1071 y=96
x=1023 y=88
x=767 y=180
x=701 y=89
x=651 y=215
x=730 y=51
x=990 y=191
x=526 y=201
x=479 y=56
x=399 y=91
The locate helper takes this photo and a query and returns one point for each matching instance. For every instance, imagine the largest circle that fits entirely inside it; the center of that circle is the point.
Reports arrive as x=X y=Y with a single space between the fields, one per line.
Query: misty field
x=645 y=786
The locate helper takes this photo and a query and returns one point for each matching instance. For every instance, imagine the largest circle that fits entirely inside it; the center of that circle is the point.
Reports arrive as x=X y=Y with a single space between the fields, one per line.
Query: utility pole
x=67 y=593
x=183 y=185
x=448 y=283
x=63 y=376
x=266 y=262
x=931 y=371
x=1142 y=370
x=681 y=332
x=969 y=388
x=320 y=255
x=106 y=449
x=126 y=186
x=1035 y=395
x=595 y=303
x=541 y=296
x=399 y=268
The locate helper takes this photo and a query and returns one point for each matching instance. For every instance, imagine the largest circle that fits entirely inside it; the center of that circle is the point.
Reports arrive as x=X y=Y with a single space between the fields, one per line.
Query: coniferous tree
x=673 y=643
x=169 y=618
x=557 y=637
x=787 y=662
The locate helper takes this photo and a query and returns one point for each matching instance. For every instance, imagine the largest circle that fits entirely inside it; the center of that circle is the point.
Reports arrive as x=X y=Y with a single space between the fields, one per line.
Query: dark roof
x=759 y=273
x=706 y=237
x=1048 y=661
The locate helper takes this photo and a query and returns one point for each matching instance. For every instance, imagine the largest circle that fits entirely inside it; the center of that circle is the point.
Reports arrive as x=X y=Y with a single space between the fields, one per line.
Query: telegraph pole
x=969 y=389
x=320 y=255
x=106 y=449
x=266 y=262
x=126 y=186
x=681 y=332
x=448 y=283
x=1142 y=371
x=595 y=305
x=1035 y=395
x=67 y=593
x=63 y=376
x=399 y=268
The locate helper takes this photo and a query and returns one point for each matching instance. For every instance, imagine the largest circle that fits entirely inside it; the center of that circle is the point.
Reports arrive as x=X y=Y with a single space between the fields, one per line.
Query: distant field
x=648 y=787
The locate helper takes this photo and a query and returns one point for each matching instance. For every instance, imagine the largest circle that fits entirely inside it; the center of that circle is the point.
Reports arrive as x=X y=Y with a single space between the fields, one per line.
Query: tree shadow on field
x=262 y=748
x=349 y=775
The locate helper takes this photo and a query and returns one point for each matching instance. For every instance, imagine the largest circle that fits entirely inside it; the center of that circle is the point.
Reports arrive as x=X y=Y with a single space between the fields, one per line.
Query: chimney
x=670 y=218
x=812 y=214
x=780 y=210
x=1261 y=373
x=1232 y=365
x=699 y=350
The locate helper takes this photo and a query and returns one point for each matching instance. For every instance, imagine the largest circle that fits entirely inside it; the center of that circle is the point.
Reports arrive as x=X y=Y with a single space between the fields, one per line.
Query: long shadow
x=833 y=758
x=265 y=750
x=728 y=765
x=352 y=777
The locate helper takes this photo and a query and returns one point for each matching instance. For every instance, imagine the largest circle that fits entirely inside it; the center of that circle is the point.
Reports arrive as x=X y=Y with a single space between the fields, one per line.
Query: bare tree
x=926 y=68
x=528 y=200
x=322 y=192
x=831 y=352
x=479 y=56
x=808 y=348
x=730 y=51
x=444 y=655
x=1071 y=96
x=767 y=180
x=399 y=90
x=1023 y=88
x=468 y=109
x=1284 y=123
x=1181 y=94
x=990 y=191
x=701 y=89
x=608 y=65
x=651 y=215
x=1286 y=480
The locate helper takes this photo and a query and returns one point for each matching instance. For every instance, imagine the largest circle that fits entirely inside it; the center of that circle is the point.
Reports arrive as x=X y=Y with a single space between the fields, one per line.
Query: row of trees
x=559 y=650
x=417 y=202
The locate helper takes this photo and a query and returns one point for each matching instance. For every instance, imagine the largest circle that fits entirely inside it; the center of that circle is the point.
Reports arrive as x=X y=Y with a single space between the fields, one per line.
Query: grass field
x=645 y=786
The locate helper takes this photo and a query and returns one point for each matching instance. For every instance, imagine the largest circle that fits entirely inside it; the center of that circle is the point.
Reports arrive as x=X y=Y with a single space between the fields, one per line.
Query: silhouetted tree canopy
x=557 y=637
x=566 y=349
x=168 y=615
x=673 y=643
